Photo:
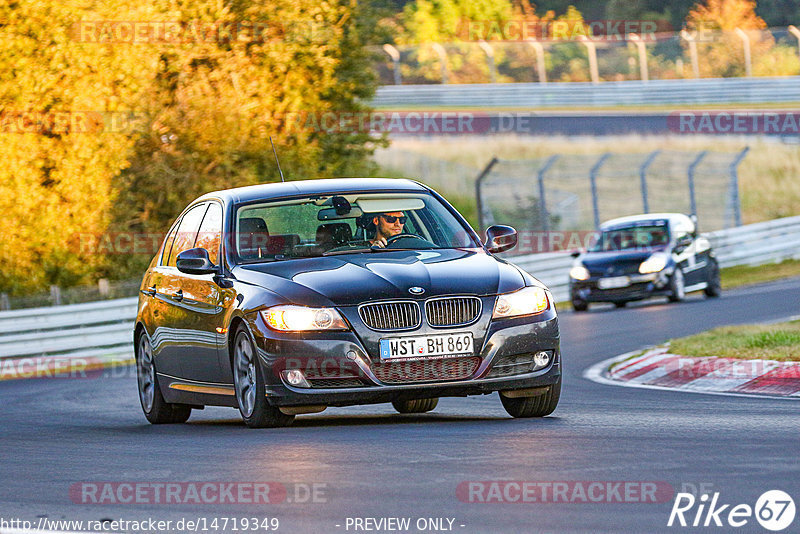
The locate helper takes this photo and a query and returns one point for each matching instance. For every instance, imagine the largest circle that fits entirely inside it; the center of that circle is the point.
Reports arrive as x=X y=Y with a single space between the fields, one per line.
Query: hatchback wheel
x=538 y=406
x=155 y=408
x=677 y=286
x=714 y=287
x=579 y=305
x=416 y=405
x=250 y=389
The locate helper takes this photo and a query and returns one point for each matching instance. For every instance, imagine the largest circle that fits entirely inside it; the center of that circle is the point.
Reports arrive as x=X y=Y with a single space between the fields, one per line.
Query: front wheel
x=677 y=286
x=579 y=305
x=416 y=405
x=538 y=406
x=155 y=408
x=251 y=394
x=714 y=287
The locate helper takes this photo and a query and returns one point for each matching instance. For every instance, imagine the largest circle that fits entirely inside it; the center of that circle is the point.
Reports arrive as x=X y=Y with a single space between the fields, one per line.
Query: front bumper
x=341 y=356
x=641 y=286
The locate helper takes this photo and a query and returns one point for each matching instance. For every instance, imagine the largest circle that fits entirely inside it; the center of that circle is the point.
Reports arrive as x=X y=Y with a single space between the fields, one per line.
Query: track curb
x=657 y=368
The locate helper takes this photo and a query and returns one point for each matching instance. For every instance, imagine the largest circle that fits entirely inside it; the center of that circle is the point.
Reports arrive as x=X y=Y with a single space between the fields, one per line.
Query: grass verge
x=779 y=342
x=744 y=275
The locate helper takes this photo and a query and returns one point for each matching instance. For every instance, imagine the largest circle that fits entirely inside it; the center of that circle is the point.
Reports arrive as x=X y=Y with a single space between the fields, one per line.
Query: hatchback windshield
x=634 y=237
x=342 y=224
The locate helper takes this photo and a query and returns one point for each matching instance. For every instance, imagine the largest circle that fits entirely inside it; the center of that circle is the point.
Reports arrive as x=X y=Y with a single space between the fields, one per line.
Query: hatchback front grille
x=452 y=311
x=438 y=370
x=400 y=315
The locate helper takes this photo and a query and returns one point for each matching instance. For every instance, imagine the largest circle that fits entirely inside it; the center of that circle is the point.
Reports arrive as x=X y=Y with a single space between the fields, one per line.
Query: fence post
x=690 y=175
x=439 y=49
x=542 y=201
x=591 y=49
x=540 y=66
x=794 y=31
x=734 y=185
x=104 y=287
x=478 y=199
x=643 y=71
x=692 y=52
x=593 y=181
x=55 y=295
x=489 y=51
x=748 y=64
x=395 y=55
x=5 y=303
x=643 y=178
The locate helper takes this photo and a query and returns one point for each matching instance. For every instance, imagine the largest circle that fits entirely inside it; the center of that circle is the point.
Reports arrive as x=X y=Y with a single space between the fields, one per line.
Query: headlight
x=526 y=301
x=290 y=318
x=653 y=264
x=579 y=272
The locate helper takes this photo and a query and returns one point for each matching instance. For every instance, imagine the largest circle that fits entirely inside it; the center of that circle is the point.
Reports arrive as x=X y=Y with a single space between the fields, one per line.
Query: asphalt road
x=371 y=462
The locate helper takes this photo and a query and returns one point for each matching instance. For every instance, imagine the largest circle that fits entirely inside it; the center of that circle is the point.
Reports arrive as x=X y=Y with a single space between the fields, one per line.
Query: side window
x=187 y=232
x=168 y=244
x=210 y=232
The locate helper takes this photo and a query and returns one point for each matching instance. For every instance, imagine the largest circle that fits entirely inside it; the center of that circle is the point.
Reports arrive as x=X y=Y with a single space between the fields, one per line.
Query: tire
x=714 y=287
x=248 y=378
x=620 y=304
x=538 y=406
x=416 y=405
x=677 y=286
x=579 y=305
x=155 y=408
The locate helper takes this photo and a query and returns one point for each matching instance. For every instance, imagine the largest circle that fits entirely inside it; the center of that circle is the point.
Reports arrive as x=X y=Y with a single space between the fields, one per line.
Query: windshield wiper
x=353 y=251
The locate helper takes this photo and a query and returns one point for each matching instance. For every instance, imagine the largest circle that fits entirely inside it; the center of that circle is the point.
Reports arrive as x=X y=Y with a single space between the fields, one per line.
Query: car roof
x=312 y=187
x=645 y=217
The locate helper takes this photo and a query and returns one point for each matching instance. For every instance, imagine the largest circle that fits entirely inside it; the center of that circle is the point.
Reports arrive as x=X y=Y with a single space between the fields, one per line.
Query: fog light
x=295 y=378
x=541 y=358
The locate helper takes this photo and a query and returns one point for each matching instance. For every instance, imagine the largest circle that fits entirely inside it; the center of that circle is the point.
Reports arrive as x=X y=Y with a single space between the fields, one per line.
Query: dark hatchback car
x=272 y=299
x=643 y=256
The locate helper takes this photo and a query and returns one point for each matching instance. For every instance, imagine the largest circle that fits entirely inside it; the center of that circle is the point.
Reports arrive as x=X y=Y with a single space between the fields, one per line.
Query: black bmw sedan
x=643 y=256
x=284 y=299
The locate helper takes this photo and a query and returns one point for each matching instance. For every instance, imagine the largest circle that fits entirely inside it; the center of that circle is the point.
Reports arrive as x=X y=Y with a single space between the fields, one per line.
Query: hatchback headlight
x=290 y=318
x=579 y=272
x=526 y=301
x=653 y=264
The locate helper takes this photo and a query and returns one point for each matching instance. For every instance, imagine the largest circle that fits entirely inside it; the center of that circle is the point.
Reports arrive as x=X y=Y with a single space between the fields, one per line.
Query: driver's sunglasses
x=391 y=219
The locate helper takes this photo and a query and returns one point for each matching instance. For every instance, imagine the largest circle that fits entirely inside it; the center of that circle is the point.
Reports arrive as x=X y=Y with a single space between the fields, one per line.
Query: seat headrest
x=334 y=233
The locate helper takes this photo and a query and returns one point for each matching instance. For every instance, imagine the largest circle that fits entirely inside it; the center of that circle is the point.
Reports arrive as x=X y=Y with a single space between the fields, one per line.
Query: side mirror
x=683 y=241
x=195 y=261
x=500 y=238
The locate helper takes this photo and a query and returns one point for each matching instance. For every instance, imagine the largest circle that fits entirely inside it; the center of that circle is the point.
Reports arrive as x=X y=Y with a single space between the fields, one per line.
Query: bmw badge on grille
x=416 y=290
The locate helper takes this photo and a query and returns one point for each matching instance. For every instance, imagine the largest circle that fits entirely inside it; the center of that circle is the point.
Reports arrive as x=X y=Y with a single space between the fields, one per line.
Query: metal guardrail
x=104 y=330
x=99 y=330
x=585 y=94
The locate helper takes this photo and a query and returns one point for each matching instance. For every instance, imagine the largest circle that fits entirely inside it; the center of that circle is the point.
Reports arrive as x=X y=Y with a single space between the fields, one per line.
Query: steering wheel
x=397 y=237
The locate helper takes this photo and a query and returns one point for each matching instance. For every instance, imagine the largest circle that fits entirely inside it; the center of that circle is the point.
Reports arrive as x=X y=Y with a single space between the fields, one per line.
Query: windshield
x=343 y=224
x=631 y=238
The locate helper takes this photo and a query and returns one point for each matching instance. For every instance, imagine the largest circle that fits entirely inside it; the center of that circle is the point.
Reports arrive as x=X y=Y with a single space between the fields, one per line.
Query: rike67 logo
x=774 y=510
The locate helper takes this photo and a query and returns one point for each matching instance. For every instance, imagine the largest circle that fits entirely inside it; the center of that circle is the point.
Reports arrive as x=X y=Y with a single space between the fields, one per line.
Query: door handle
x=178 y=296
x=150 y=291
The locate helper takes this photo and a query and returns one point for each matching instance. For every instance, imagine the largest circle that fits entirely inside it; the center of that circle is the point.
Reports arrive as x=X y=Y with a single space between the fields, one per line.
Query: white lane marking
x=597 y=373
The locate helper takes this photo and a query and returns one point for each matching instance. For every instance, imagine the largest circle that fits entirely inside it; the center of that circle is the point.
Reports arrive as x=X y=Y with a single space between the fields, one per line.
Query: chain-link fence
x=660 y=56
x=575 y=193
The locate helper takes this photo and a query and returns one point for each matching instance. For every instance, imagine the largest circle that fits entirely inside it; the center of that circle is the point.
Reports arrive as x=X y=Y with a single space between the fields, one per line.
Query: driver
x=387 y=225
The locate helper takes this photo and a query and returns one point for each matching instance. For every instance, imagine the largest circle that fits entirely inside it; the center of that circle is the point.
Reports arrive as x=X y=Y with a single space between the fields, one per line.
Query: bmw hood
x=351 y=279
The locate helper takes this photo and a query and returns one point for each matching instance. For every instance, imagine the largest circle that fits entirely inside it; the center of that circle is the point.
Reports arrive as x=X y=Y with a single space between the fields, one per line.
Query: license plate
x=426 y=346
x=615 y=282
